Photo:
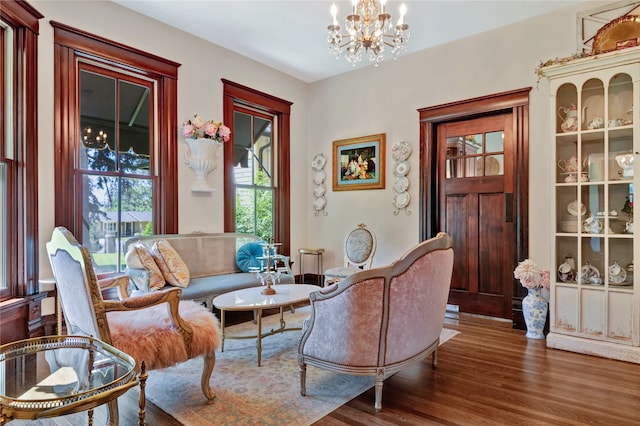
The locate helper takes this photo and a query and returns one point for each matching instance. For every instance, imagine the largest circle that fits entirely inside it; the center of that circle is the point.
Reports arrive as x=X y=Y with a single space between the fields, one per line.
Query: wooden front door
x=476 y=159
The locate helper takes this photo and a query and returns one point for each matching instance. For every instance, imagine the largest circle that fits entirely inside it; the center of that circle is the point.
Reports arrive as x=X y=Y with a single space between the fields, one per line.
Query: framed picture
x=358 y=163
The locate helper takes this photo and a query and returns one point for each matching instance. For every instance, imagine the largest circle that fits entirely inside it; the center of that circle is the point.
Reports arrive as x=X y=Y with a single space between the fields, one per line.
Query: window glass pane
x=264 y=214
x=242 y=142
x=245 y=210
x=473 y=144
x=97 y=122
x=494 y=141
x=474 y=166
x=134 y=135
x=114 y=210
x=262 y=151
x=3 y=224
x=100 y=199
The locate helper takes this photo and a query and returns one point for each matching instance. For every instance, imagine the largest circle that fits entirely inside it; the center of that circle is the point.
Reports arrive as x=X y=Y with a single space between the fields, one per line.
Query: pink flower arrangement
x=197 y=128
x=531 y=276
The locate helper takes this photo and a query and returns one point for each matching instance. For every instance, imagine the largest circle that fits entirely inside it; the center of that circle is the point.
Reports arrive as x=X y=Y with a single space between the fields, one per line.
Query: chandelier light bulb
x=369 y=27
x=403 y=11
x=334 y=14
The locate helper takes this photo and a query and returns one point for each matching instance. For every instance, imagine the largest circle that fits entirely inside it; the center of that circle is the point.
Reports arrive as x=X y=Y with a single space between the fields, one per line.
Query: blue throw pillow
x=248 y=254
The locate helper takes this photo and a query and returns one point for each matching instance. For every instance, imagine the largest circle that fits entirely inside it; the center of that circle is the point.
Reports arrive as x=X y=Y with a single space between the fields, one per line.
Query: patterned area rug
x=250 y=395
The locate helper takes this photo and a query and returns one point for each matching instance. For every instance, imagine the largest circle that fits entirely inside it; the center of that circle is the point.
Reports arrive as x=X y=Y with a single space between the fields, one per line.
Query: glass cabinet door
x=594 y=253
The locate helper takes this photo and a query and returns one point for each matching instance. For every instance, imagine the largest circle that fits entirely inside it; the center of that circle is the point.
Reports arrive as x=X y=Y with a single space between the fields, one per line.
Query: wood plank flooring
x=489 y=374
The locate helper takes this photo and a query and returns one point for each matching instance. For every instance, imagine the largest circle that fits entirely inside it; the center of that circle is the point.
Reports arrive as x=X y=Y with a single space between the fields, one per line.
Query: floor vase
x=534 y=309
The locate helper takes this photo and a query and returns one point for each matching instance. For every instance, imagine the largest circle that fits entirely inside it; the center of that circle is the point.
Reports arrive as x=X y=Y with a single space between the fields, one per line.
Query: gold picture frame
x=358 y=163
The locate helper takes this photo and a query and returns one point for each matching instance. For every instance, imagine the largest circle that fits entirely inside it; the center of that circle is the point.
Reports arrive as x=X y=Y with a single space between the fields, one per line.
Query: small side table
x=312 y=252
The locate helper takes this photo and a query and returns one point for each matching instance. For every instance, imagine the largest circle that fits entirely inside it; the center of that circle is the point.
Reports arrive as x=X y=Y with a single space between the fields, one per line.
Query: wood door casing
x=517 y=103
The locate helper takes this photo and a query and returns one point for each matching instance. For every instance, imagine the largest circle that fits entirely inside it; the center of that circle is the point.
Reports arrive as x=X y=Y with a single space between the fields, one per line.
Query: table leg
x=142 y=401
x=90 y=414
x=222 y=329
x=259 y=338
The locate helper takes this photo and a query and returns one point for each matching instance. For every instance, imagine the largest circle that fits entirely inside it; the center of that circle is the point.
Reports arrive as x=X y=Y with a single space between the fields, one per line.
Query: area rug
x=250 y=395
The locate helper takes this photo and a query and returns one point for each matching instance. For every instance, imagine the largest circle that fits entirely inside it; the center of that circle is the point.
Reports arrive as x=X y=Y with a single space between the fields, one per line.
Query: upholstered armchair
x=359 y=248
x=379 y=321
x=156 y=328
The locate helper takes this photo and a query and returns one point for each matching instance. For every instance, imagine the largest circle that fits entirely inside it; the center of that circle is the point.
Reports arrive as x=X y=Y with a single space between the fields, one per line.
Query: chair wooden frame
x=64 y=247
x=349 y=262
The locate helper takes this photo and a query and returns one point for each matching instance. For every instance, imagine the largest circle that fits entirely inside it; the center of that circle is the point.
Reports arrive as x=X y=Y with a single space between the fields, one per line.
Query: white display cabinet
x=595 y=300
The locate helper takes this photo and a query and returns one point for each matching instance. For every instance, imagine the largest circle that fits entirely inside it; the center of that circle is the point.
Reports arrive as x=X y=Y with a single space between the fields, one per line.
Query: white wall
x=386 y=100
x=199 y=91
x=358 y=103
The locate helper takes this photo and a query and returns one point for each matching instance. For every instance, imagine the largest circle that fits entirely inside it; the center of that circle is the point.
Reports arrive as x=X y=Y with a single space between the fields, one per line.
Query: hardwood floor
x=489 y=374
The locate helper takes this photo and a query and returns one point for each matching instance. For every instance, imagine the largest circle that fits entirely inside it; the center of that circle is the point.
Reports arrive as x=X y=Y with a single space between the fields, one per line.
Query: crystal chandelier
x=369 y=28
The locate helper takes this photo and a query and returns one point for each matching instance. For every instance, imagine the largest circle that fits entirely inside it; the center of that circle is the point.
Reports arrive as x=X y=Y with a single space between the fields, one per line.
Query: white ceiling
x=290 y=36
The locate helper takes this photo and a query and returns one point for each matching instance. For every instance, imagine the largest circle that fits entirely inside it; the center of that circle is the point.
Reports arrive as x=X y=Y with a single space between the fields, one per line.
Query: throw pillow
x=139 y=257
x=173 y=268
x=247 y=255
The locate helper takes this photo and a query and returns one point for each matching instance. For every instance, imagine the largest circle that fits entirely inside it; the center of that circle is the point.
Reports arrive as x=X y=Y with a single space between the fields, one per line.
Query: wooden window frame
x=235 y=93
x=21 y=239
x=70 y=45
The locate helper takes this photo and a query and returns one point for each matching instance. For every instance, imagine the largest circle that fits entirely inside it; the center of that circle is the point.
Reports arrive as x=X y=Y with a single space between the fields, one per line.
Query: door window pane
x=495 y=141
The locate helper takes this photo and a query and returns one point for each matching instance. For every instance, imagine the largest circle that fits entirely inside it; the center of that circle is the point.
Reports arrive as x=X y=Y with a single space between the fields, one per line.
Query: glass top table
x=252 y=299
x=58 y=375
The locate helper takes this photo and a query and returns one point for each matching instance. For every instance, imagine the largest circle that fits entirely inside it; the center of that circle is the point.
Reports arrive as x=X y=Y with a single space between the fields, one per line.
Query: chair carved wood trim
x=155 y=327
x=381 y=320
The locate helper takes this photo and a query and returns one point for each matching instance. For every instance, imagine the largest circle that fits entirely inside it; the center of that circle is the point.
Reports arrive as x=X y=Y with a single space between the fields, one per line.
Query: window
x=257 y=164
x=18 y=150
x=254 y=171
x=118 y=174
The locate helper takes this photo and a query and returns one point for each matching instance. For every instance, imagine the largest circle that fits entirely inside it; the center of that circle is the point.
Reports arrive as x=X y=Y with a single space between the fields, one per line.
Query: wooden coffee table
x=251 y=299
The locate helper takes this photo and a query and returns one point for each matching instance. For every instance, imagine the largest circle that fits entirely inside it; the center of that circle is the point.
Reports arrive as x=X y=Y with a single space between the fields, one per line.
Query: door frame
x=515 y=102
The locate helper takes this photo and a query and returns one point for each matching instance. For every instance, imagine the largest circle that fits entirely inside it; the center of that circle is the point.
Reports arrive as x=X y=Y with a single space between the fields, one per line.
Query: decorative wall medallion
x=401 y=168
x=319 y=203
x=318 y=162
x=401 y=200
x=319 y=177
x=401 y=151
x=319 y=190
x=401 y=185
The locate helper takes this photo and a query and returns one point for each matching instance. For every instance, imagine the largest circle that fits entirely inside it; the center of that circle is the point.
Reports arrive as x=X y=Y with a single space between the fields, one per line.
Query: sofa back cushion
x=204 y=254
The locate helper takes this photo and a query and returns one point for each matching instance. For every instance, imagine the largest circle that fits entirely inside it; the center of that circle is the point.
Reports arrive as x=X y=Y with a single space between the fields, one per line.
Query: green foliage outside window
x=261 y=202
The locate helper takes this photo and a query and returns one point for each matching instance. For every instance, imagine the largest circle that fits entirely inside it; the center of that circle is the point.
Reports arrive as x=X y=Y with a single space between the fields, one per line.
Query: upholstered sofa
x=212 y=261
x=378 y=321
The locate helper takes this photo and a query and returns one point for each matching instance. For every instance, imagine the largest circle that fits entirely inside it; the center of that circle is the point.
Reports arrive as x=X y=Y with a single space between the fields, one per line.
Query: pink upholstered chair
x=359 y=248
x=378 y=321
x=156 y=328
